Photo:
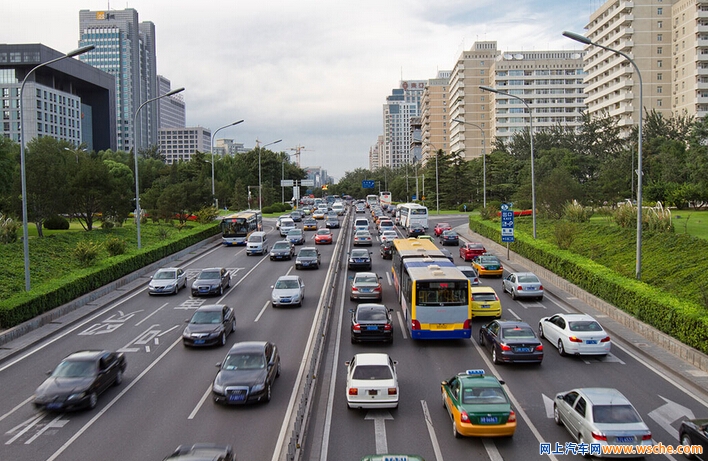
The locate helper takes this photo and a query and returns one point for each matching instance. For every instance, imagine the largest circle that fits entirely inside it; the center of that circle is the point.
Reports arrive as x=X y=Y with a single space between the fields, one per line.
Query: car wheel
x=513 y=294
x=267 y=390
x=176 y=290
x=221 y=290
x=495 y=359
x=556 y=415
x=119 y=378
x=277 y=372
x=222 y=339
x=540 y=331
x=581 y=441
x=686 y=440
x=561 y=349
x=454 y=430
x=93 y=400
x=481 y=339
x=233 y=326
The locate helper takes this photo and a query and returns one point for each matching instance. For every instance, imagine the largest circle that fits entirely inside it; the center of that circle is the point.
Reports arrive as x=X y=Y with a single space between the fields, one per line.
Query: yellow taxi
x=488 y=266
x=485 y=302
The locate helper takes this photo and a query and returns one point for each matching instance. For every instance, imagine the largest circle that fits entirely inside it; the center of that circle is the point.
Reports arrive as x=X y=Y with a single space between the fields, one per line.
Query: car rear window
x=484 y=297
x=587 y=325
x=372 y=372
x=528 y=279
x=483 y=395
x=615 y=414
x=521 y=333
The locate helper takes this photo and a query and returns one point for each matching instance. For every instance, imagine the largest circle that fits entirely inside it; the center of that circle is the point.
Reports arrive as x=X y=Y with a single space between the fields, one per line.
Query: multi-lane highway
x=165 y=401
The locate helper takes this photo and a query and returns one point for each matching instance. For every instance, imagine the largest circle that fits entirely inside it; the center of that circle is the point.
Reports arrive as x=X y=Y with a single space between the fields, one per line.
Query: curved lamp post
x=25 y=236
x=213 y=135
x=484 y=160
x=533 y=181
x=586 y=41
x=138 y=213
x=260 y=190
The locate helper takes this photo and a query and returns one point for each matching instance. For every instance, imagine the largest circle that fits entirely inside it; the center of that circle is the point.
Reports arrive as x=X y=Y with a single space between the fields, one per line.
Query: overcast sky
x=314 y=73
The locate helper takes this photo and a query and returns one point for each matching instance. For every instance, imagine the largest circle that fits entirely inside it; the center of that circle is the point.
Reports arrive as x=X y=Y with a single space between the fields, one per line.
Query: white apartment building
x=179 y=144
x=435 y=123
x=401 y=105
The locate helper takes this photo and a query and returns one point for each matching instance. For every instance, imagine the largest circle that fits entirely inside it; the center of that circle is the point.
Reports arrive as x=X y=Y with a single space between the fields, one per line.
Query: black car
x=282 y=249
x=694 y=432
x=359 y=260
x=202 y=452
x=79 y=379
x=332 y=223
x=371 y=322
x=296 y=215
x=308 y=257
x=386 y=249
x=212 y=281
x=511 y=341
x=415 y=229
x=209 y=325
x=449 y=237
x=247 y=373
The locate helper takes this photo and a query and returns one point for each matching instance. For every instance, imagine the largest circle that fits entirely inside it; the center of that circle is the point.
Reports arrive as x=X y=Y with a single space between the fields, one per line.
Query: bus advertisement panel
x=435 y=299
x=236 y=228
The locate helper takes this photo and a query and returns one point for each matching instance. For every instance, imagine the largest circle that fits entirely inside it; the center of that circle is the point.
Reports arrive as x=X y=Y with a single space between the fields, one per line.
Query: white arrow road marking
x=29 y=424
x=548 y=404
x=379 y=417
x=668 y=413
x=55 y=423
x=609 y=358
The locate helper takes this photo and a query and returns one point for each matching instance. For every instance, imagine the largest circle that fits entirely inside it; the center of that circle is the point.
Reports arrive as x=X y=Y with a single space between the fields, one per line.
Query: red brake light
x=599 y=436
x=388 y=327
x=646 y=436
x=512 y=417
x=540 y=287
x=539 y=347
x=519 y=288
x=496 y=298
x=377 y=288
x=605 y=339
x=415 y=325
x=467 y=325
x=573 y=339
x=353 y=391
x=355 y=289
x=356 y=327
x=504 y=347
x=392 y=391
x=464 y=417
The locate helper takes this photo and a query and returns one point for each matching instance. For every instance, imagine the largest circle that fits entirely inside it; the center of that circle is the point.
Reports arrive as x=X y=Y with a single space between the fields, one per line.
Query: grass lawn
x=692 y=222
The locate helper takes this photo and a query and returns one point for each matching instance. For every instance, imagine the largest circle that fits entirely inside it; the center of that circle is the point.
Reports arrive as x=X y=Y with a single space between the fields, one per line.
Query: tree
x=89 y=185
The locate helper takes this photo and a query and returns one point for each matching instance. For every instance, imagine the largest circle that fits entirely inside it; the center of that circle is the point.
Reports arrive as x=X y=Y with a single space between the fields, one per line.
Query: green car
x=478 y=405
x=392 y=458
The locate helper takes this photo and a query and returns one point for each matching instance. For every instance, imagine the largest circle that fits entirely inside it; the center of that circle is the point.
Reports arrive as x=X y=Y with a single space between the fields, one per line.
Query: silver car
x=167 y=280
x=523 y=285
x=597 y=417
x=289 y=290
x=366 y=285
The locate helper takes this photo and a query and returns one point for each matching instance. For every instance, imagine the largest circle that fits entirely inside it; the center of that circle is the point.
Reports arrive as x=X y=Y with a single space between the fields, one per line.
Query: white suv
x=286 y=225
x=257 y=244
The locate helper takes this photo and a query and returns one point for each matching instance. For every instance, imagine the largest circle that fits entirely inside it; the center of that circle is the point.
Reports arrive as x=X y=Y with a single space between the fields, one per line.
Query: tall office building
x=375 y=154
x=172 y=109
x=400 y=107
x=435 y=120
x=125 y=48
x=179 y=144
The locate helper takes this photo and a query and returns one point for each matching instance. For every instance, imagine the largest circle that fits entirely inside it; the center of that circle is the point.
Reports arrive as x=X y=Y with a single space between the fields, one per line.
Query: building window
x=659 y=90
x=659 y=76
x=659 y=50
x=659 y=24
x=659 y=37
x=659 y=63
x=658 y=103
x=659 y=11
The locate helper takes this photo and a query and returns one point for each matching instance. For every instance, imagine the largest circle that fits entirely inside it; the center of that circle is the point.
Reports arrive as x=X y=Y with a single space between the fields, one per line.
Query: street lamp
x=260 y=185
x=586 y=41
x=213 y=135
x=282 y=175
x=533 y=181
x=484 y=161
x=437 y=189
x=25 y=233
x=138 y=214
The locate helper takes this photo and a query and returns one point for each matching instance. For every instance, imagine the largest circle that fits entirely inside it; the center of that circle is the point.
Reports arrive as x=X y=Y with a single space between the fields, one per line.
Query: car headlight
x=76 y=396
x=258 y=387
x=218 y=388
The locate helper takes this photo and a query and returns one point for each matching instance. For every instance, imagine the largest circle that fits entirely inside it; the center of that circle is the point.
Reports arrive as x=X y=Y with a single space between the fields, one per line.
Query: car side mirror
x=271 y=287
x=218 y=365
x=444 y=383
x=502 y=382
x=49 y=373
x=346 y=364
x=186 y=321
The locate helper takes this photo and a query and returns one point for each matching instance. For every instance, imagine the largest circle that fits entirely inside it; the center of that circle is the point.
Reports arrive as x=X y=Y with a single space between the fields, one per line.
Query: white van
x=286 y=225
x=257 y=243
x=338 y=208
x=361 y=224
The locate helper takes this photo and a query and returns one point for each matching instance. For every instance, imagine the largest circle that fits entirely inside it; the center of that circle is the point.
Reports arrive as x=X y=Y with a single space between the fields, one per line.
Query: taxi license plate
x=591 y=341
x=488 y=420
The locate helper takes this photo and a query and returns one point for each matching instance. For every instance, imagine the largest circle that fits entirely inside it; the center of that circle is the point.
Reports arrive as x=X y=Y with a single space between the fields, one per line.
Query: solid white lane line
x=30 y=424
x=431 y=431
x=200 y=403
x=17 y=407
x=262 y=311
x=402 y=325
x=151 y=314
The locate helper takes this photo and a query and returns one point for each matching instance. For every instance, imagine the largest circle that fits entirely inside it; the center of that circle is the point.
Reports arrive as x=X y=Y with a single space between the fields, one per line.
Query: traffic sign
x=507 y=223
x=307 y=182
x=286 y=183
x=368 y=184
x=413 y=197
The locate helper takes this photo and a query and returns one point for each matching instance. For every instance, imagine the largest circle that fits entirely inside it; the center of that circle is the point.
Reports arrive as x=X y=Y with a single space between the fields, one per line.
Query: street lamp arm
x=213 y=135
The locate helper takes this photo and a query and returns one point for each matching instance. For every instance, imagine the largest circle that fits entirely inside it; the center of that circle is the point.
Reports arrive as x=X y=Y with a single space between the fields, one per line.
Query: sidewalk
x=662 y=351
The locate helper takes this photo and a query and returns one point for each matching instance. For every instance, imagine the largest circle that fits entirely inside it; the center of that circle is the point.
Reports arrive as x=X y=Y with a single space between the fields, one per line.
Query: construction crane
x=297 y=150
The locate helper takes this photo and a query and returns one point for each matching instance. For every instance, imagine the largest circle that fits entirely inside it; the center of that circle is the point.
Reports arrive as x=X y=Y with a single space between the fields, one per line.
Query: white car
x=575 y=334
x=289 y=290
x=388 y=235
x=167 y=280
x=372 y=381
x=286 y=225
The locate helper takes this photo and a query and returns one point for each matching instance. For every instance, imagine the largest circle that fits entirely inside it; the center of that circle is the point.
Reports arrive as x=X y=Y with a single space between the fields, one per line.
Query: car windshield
x=286 y=284
x=371 y=315
x=244 y=362
x=323 y=232
x=307 y=253
x=208 y=275
x=585 y=325
x=483 y=395
x=360 y=254
x=206 y=317
x=370 y=372
x=615 y=414
x=527 y=279
x=281 y=246
x=74 y=369
x=518 y=333
x=165 y=275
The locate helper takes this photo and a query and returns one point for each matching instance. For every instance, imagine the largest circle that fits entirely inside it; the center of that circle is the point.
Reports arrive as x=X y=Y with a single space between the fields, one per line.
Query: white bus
x=409 y=213
x=372 y=200
x=385 y=198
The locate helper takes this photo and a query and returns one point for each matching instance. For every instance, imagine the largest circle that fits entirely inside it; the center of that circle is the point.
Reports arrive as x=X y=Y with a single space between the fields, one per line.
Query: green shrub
x=163 y=233
x=8 y=229
x=490 y=212
x=56 y=223
x=657 y=219
x=268 y=210
x=207 y=214
x=115 y=246
x=461 y=208
x=564 y=234
x=107 y=224
x=575 y=212
x=86 y=253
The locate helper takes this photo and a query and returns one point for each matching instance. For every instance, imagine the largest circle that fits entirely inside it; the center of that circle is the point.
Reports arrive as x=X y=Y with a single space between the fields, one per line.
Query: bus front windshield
x=238 y=227
x=441 y=293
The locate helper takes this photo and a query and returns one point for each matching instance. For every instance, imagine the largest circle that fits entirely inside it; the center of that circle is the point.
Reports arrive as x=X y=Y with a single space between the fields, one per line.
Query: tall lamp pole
x=484 y=160
x=586 y=41
x=533 y=181
x=25 y=232
x=138 y=214
x=260 y=184
x=437 y=189
x=213 y=187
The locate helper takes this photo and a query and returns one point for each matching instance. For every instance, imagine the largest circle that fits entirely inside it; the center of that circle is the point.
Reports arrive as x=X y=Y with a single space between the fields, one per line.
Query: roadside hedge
x=45 y=297
x=682 y=320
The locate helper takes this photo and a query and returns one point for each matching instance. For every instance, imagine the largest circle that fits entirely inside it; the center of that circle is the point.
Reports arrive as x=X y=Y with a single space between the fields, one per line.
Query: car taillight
x=504 y=347
x=464 y=417
x=646 y=436
x=496 y=298
x=476 y=280
x=392 y=391
x=519 y=288
x=353 y=391
x=377 y=289
x=605 y=339
x=415 y=325
x=512 y=417
x=539 y=348
x=599 y=436
x=356 y=327
x=388 y=327
x=467 y=325
x=355 y=289
x=574 y=339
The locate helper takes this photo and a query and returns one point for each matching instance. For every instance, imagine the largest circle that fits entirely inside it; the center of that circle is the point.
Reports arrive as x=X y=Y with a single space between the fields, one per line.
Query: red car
x=323 y=236
x=470 y=250
x=441 y=227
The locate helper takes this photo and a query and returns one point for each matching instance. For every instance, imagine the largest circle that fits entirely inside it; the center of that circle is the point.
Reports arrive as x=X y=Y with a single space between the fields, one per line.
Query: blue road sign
x=368 y=183
x=507 y=224
x=414 y=197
